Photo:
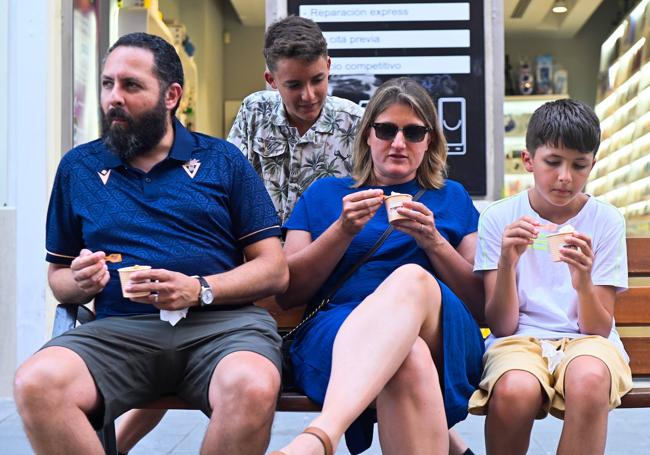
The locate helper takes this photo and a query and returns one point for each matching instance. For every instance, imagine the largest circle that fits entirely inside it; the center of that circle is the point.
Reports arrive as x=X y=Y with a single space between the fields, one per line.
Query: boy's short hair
x=293 y=37
x=564 y=123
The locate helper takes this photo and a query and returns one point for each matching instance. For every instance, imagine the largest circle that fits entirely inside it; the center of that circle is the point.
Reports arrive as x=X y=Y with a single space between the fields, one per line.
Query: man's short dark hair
x=564 y=123
x=293 y=37
x=167 y=64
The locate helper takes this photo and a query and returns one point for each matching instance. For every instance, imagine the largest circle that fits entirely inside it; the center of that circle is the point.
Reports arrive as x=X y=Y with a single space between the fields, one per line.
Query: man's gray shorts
x=136 y=359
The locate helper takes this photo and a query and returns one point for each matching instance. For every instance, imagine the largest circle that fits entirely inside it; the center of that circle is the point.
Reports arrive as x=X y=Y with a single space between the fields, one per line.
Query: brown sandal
x=322 y=437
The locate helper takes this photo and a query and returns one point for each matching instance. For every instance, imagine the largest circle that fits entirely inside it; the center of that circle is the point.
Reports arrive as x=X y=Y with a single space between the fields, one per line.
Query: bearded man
x=191 y=207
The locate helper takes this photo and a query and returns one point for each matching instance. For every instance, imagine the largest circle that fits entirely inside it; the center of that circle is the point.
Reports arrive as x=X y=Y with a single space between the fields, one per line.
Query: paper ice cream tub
x=393 y=202
x=125 y=276
x=557 y=241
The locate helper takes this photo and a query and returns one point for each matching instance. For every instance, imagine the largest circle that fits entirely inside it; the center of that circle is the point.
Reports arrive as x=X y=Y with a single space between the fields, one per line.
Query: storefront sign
x=440 y=44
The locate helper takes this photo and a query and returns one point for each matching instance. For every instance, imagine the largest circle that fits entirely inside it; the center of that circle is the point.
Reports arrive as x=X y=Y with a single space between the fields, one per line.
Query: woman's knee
x=516 y=391
x=421 y=285
x=410 y=273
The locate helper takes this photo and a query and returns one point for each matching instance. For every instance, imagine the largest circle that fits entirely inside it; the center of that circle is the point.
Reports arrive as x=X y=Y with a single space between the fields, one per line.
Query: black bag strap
x=339 y=283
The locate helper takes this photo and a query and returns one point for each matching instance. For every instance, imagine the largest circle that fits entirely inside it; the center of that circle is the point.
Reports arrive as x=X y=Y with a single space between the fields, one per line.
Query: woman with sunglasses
x=395 y=338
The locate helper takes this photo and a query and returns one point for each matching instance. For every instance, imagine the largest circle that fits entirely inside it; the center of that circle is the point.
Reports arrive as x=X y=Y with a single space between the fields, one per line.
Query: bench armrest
x=67 y=315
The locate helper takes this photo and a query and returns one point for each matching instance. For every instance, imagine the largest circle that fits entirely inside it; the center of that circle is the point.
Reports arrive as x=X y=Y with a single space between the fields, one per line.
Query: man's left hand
x=168 y=290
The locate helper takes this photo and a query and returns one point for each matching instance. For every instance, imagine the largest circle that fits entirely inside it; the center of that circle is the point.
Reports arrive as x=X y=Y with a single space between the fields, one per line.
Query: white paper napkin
x=553 y=356
x=173 y=316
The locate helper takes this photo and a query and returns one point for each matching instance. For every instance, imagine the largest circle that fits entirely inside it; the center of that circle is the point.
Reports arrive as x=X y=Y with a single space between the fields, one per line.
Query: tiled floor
x=180 y=433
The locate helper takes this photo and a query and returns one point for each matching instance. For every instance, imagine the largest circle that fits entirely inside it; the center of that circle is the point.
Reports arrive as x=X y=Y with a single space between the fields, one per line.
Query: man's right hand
x=90 y=272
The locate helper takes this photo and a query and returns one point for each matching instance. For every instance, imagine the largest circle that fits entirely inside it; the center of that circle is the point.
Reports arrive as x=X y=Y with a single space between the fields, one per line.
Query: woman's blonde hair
x=403 y=90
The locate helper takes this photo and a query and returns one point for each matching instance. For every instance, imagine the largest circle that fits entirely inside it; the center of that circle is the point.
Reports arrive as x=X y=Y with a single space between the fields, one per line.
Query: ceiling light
x=560 y=7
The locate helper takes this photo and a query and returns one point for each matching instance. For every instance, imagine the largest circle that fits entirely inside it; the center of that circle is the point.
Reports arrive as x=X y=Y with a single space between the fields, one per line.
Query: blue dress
x=311 y=351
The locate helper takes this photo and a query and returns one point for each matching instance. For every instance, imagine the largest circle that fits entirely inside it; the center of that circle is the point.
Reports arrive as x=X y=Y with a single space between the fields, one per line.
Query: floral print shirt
x=287 y=162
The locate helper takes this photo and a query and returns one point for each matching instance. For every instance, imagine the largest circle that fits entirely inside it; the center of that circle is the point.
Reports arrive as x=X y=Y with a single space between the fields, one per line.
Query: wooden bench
x=632 y=319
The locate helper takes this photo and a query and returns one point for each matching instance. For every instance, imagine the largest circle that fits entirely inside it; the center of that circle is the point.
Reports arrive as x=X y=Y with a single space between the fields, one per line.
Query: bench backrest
x=632 y=311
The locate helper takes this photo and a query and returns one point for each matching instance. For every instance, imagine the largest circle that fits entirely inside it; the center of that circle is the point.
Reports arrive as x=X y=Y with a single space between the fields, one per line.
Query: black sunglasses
x=388 y=131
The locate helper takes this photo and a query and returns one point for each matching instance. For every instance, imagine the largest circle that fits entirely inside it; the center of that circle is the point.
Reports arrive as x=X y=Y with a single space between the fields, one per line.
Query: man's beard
x=139 y=135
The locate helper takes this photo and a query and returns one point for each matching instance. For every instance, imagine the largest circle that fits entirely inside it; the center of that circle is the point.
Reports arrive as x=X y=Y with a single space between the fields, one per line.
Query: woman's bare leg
x=457 y=446
x=410 y=408
x=135 y=425
x=371 y=345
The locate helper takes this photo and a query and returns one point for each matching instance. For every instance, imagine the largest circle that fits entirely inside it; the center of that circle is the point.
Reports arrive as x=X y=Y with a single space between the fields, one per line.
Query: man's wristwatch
x=205 y=294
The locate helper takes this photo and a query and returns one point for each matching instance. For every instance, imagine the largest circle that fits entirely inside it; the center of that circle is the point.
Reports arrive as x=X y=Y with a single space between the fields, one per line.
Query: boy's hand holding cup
x=558 y=240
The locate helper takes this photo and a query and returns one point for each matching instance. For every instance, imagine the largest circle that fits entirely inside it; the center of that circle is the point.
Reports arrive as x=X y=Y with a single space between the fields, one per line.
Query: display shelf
x=517 y=111
x=621 y=175
x=145 y=16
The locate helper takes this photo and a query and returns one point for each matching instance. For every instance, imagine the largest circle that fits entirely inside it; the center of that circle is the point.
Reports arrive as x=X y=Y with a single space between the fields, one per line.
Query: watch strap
x=204 y=285
x=203 y=281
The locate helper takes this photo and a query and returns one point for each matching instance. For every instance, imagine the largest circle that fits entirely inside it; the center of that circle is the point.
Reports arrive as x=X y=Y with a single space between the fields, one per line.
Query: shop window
x=85 y=73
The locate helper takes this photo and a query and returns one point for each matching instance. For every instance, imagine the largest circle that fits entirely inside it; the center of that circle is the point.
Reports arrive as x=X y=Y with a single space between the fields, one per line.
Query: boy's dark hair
x=167 y=64
x=564 y=123
x=293 y=37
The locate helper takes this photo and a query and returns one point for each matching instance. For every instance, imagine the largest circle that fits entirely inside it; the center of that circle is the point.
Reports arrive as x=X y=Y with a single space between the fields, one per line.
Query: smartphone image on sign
x=452 y=121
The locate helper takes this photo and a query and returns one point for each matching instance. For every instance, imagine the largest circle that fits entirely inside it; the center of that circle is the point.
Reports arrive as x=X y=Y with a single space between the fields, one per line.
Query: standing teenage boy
x=554 y=347
x=297 y=133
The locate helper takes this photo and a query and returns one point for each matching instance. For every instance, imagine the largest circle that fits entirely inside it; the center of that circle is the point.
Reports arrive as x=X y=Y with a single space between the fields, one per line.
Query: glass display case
x=621 y=175
x=517 y=111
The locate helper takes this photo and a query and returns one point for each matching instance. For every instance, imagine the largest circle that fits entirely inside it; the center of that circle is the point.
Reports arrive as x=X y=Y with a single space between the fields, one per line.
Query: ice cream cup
x=555 y=242
x=393 y=202
x=125 y=276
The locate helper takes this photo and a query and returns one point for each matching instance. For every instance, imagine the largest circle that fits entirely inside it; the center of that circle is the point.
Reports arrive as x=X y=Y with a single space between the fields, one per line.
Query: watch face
x=206 y=296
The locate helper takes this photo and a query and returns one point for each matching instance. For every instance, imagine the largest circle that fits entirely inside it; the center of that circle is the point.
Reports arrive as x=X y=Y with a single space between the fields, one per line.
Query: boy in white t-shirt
x=554 y=346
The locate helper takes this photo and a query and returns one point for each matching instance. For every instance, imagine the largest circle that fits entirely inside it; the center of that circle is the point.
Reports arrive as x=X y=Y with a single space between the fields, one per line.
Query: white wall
x=7 y=299
x=4 y=55
x=32 y=136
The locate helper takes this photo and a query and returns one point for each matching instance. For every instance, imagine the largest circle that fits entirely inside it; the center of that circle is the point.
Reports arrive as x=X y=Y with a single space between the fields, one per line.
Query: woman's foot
x=312 y=441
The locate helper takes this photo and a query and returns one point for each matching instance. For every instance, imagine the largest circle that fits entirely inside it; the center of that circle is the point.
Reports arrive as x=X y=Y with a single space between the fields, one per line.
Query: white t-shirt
x=548 y=304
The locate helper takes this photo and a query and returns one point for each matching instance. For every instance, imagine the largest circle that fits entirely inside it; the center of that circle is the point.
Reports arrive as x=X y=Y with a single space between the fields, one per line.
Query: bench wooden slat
x=288 y=402
x=638 y=348
x=633 y=307
x=638 y=256
x=288 y=319
x=295 y=402
x=638 y=397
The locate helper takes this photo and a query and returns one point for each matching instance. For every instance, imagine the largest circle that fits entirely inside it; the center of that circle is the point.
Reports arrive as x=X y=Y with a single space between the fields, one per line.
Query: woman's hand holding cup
x=358 y=209
x=419 y=223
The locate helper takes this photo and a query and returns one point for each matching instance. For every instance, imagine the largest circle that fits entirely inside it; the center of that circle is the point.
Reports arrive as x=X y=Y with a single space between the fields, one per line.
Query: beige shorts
x=525 y=353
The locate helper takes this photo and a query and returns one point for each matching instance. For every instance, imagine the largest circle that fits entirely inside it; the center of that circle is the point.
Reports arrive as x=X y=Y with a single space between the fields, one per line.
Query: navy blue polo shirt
x=193 y=213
